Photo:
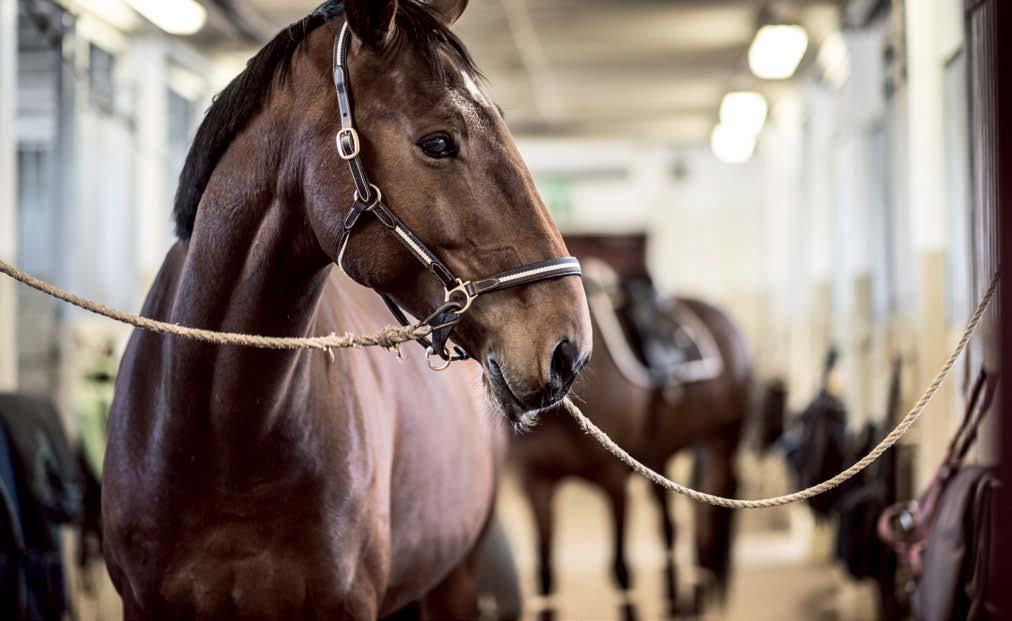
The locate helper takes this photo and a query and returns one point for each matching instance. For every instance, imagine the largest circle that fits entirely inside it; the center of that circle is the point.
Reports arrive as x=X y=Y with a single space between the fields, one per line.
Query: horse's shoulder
x=141 y=358
x=161 y=295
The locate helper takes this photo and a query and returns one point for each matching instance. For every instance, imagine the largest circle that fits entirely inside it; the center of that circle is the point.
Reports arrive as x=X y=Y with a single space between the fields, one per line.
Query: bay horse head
x=438 y=146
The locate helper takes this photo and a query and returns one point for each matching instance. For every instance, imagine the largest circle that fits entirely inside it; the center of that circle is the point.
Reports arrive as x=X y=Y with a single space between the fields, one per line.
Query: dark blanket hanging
x=816 y=449
x=40 y=492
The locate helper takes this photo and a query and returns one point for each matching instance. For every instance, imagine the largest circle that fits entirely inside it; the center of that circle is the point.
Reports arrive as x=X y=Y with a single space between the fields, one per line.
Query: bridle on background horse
x=460 y=294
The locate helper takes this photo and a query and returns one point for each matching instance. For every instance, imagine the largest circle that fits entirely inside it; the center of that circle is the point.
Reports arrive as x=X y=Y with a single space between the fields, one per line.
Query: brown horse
x=253 y=484
x=653 y=427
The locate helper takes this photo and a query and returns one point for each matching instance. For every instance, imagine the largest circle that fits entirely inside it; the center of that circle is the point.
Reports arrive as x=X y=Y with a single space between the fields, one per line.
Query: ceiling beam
x=528 y=45
x=252 y=27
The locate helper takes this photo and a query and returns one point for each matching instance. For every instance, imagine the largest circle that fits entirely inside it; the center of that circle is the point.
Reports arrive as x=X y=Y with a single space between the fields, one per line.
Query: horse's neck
x=246 y=271
x=250 y=278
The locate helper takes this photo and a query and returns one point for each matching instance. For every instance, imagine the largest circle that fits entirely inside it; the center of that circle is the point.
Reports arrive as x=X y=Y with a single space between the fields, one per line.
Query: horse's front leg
x=540 y=494
x=457 y=596
x=615 y=489
x=715 y=470
x=668 y=532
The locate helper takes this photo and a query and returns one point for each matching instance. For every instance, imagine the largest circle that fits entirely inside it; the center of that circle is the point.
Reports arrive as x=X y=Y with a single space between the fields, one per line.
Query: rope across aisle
x=392 y=337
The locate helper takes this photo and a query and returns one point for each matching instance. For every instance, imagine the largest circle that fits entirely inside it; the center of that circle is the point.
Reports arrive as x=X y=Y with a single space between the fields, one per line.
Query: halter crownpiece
x=460 y=293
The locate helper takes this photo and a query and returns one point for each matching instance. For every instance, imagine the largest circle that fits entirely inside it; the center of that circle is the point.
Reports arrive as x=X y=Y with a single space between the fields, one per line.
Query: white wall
x=599 y=177
x=707 y=238
x=936 y=198
x=8 y=190
x=706 y=234
x=926 y=124
x=147 y=57
x=879 y=221
x=705 y=219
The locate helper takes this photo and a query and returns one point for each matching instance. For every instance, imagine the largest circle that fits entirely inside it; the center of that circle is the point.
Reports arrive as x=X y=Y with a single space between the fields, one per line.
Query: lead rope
x=887 y=443
x=390 y=338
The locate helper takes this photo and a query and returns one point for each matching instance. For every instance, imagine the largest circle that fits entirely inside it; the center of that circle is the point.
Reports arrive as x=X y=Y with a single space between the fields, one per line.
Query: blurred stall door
x=38 y=128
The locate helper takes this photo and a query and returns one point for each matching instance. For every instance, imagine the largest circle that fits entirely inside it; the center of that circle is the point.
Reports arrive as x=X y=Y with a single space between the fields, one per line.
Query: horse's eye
x=438 y=146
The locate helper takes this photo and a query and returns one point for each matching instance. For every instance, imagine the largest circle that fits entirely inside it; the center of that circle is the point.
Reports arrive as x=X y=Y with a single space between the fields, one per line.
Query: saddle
x=660 y=341
x=946 y=537
x=669 y=343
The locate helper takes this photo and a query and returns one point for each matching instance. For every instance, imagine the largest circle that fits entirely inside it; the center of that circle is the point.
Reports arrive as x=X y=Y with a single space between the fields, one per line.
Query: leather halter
x=460 y=294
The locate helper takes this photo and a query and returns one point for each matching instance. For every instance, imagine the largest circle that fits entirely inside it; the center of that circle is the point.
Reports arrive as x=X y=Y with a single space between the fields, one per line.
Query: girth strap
x=460 y=294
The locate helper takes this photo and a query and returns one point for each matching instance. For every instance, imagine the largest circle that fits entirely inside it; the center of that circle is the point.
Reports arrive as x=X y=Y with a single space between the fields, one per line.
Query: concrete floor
x=782 y=567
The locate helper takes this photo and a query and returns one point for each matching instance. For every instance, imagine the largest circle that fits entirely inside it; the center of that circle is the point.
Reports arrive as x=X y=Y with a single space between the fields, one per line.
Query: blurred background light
x=744 y=111
x=731 y=145
x=178 y=17
x=777 y=51
x=834 y=60
x=114 y=12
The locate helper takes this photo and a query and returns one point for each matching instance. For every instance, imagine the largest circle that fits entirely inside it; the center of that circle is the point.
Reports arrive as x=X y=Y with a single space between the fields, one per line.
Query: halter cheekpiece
x=460 y=294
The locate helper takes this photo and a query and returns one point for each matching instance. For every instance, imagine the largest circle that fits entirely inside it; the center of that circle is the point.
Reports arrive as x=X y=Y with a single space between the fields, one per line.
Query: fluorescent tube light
x=177 y=17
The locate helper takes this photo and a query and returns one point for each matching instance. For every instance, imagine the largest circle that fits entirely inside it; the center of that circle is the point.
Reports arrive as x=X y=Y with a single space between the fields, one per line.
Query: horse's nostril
x=566 y=364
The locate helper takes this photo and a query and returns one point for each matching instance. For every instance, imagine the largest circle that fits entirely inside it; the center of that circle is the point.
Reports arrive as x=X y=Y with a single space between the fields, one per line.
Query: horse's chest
x=281 y=565
x=438 y=508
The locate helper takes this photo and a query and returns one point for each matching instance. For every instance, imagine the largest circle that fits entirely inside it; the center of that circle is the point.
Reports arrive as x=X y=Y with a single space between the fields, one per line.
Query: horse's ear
x=372 y=21
x=448 y=11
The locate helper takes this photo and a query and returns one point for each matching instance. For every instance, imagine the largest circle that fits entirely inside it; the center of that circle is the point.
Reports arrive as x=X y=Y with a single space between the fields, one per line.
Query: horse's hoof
x=548 y=614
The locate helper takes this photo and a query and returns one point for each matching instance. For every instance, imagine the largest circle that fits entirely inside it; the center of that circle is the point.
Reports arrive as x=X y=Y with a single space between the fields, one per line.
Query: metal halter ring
x=461 y=288
x=430 y=354
x=356 y=146
x=377 y=197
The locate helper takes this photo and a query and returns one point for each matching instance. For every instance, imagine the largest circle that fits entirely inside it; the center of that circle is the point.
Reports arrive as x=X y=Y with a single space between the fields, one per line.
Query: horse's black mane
x=245 y=96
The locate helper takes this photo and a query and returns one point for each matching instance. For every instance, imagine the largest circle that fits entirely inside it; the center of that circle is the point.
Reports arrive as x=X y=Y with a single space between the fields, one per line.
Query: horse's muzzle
x=516 y=402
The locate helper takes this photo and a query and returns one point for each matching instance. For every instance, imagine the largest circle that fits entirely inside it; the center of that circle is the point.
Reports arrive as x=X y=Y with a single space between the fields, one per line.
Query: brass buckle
x=430 y=354
x=461 y=288
x=356 y=145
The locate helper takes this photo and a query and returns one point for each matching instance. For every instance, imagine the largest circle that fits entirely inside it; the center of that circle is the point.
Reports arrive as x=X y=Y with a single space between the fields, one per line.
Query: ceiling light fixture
x=777 y=51
x=744 y=111
x=732 y=146
x=176 y=17
x=113 y=12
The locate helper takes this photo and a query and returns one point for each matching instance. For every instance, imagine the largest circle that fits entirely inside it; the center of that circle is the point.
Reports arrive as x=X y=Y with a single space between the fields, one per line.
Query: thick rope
x=391 y=337
x=388 y=338
x=887 y=443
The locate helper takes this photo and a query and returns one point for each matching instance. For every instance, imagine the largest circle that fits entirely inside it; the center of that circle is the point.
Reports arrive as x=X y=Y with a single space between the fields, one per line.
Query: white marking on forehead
x=473 y=88
x=470 y=100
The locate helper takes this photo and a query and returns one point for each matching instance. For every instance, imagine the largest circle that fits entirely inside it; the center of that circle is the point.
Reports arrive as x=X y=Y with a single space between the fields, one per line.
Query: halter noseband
x=460 y=294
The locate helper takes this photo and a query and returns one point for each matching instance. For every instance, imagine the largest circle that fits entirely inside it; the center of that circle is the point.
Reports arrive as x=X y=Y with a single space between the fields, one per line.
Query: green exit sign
x=557 y=194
